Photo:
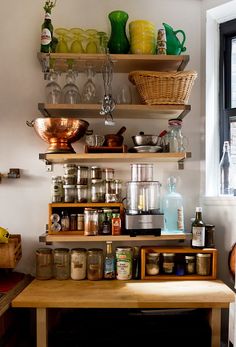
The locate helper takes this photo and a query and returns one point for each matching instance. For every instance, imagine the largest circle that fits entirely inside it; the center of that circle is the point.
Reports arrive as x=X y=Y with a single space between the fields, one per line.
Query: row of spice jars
x=96 y=190
x=170 y=263
x=103 y=221
x=79 y=263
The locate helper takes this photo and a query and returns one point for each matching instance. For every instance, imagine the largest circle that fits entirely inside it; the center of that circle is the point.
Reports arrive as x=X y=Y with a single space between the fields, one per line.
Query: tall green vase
x=118 y=42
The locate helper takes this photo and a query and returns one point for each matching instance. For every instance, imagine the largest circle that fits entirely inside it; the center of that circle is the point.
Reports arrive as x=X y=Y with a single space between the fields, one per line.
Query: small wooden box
x=178 y=251
x=11 y=252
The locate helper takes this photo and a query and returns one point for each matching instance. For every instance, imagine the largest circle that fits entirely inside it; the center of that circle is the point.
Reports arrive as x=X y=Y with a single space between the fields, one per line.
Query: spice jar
x=203 y=264
x=82 y=193
x=80 y=221
x=73 y=222
x=82 y=175
x=97 y=190
x=69 y=193
x=95 y=264
x=90 y=222
x=190 y=264
x=70 y=169
x=78 y=263
x=57 y=193
x=96 y=172
x=61 y=263
x=152 y=263
x=168 y=262
x=44 y=263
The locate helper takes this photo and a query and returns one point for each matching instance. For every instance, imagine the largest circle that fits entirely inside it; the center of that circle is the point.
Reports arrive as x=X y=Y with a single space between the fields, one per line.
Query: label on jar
x=198 y=236
x=168 y=267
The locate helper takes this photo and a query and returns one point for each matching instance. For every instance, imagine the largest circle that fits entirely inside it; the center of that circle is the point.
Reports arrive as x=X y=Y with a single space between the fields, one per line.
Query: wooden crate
x=11 y=252
x=178 y=250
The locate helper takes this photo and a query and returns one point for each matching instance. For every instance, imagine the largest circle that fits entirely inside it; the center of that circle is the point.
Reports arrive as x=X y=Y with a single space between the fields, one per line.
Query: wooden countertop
x=125 y=294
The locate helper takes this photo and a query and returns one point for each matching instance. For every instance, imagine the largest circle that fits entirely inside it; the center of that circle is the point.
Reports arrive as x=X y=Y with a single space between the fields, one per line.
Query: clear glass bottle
x=226 y=171
x=44 y=264
x=65 y=221
x=198 y=230
x=173 y=208
x=109 y=262
x=61 y=263
x=95 y=264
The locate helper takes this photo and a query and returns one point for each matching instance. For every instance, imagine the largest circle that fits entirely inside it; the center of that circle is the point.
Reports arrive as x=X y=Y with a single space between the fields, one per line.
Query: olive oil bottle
x=198 y=230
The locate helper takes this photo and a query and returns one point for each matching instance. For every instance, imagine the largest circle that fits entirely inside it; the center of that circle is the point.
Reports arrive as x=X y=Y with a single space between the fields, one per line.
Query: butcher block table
x=211 y=295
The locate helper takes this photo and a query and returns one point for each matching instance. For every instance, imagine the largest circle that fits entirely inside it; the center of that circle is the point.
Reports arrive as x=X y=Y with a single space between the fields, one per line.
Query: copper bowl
x=59 y=132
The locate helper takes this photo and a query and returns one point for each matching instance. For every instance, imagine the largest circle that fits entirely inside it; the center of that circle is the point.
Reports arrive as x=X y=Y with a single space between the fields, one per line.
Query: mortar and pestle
x=115 y=140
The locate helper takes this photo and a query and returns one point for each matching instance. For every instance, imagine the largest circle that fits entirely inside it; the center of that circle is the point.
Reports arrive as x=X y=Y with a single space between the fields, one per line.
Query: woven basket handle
x=183 y=49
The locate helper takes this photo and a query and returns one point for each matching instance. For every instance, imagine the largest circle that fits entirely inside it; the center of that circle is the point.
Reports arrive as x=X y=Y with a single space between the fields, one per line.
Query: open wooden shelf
x=123 y=63
x=103 y=238
x=101 y=157
x=127 y=111
x=183 y=251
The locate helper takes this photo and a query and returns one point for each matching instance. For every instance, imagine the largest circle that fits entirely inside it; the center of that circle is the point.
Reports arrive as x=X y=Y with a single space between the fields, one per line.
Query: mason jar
x=97 y=190
x=168 y=263
x=78 y=263
x=152 y=263
x=61 y=263
x=95 y=264
x=57 y=192
x=44 y=263
x=82 y=175
x=90 y=222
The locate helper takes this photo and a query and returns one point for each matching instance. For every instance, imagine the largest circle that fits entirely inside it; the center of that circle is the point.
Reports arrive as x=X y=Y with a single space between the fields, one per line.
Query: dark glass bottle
x=198 y=230
x=106 y=226
x=46 y=33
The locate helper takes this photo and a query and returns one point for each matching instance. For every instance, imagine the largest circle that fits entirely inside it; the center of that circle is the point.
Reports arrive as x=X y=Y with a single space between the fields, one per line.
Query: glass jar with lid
x=82 y=175
x=44 y=263
x=78 y=263
x=57 y=192
x=82 y=193
x=70 y=169
x=97 y=190
x=109 y=174
x=152 y=263
x=61 y=263
x=69 y=193
x=168 y=263
x=190 y=264
x=176 y=141
x=90 y=222
x=203 y=264
x=96 y=172
x=95 y=264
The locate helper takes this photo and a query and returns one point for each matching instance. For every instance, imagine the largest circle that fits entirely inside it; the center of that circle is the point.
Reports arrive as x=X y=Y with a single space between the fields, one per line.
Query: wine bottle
x=198 y=230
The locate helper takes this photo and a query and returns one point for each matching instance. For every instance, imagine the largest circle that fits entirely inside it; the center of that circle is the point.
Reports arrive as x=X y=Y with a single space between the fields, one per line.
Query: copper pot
x=59 y=132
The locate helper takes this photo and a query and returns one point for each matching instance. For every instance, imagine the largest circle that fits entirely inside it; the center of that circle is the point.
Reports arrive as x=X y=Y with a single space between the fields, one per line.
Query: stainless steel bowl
x=145 y=140
x=59 y=132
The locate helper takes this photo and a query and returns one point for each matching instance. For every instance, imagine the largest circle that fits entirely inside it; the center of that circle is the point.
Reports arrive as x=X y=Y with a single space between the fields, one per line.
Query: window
x=227 y=88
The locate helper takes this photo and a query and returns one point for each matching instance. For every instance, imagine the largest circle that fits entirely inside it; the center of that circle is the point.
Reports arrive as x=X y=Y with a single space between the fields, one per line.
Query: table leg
x=215 y=323
x=41 y=325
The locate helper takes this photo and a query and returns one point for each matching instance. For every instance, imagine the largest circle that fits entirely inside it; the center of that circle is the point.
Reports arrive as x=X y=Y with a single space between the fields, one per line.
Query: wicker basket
x=163 y=87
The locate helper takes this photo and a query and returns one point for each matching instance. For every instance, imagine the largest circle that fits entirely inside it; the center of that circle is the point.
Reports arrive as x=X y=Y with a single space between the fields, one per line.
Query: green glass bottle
x=47 y=41
x=118 y=42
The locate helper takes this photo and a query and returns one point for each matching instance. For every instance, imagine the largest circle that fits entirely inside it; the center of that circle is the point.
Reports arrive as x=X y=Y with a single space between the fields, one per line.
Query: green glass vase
x=118 y=42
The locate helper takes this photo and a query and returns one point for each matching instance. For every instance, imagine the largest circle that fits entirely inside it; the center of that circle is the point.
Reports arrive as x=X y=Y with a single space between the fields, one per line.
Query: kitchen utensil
x=147 y=149
x=145 y=140
x=115 y=140
x=59 y=132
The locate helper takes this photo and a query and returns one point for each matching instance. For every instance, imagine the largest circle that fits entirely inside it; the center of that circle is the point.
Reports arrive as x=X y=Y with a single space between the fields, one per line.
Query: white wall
x=24 y=202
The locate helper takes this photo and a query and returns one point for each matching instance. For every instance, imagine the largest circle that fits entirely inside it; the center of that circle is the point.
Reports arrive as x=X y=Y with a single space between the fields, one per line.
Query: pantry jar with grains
x=95 y=264
x=61 y=263
x=78 y=263
x=90 y=222
x=44 y=263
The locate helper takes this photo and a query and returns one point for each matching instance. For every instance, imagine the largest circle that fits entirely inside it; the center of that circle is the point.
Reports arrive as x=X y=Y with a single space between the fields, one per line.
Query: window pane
x=233 y=69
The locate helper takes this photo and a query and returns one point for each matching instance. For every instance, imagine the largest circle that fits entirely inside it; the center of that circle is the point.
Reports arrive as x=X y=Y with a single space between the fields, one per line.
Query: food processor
x=142 y=213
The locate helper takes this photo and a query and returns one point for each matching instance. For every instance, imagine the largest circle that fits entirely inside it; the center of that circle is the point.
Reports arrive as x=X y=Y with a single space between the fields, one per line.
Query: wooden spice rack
x=180 y=251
